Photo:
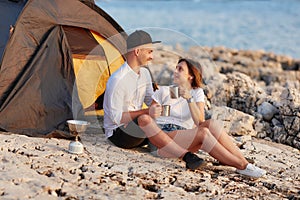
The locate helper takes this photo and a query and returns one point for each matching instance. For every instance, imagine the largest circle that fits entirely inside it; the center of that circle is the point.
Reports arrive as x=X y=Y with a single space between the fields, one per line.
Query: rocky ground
x=38 y=168
x=254 y=93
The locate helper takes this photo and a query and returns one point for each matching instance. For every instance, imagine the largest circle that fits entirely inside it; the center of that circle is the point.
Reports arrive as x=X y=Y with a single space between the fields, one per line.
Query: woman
x=187 y=111
x=186 y=124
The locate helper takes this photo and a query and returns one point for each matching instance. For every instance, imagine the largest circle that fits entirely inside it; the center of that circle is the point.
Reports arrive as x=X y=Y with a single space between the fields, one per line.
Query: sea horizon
x=272 y=26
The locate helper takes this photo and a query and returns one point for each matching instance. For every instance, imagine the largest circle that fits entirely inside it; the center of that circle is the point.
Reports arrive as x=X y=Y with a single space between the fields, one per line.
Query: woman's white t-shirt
x=180 y=113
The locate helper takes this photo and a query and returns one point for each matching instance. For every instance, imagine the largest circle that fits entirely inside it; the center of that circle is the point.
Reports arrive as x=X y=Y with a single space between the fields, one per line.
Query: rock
x=242 y=60
x=235 y=90
x=267 y=110
x=289 y=110
x=234 y=121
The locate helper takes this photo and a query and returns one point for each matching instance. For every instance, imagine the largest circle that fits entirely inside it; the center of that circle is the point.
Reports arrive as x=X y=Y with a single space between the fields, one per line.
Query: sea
x=269 y=25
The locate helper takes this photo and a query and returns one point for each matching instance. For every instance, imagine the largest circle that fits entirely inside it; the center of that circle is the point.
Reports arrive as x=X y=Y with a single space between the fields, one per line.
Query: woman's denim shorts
x=171 y=127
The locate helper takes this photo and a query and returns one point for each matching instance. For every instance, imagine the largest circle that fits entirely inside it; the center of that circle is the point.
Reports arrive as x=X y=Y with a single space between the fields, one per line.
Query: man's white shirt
x=125 y=91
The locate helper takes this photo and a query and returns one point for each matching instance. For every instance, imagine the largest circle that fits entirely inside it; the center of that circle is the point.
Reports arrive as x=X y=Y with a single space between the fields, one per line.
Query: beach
x=42 y=168
x=38 y=168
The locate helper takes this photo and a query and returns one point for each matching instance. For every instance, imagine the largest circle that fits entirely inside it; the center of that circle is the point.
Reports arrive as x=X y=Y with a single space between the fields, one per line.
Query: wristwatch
x=190 y=100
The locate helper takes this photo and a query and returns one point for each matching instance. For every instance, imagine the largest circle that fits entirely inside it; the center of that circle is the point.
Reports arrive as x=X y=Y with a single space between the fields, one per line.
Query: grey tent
x=55 y=63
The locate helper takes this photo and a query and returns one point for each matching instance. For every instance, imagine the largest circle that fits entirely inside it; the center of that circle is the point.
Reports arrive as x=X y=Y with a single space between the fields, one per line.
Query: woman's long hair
x=195 y=70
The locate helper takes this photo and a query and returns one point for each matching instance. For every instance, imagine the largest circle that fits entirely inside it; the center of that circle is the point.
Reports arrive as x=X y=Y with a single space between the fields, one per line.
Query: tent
x=55 y=63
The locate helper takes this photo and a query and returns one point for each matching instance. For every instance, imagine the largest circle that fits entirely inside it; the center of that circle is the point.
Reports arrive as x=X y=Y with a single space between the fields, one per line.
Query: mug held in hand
x=165 y=110
x=174 y=92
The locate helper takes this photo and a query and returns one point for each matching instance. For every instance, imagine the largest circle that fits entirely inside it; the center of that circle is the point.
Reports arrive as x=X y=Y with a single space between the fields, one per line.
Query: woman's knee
x=213 y=125
x=203 y=132
x=207 y=140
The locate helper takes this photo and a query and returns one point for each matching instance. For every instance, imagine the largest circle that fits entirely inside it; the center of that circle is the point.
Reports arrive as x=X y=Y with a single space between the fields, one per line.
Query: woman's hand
x=155 y=110
x=185 y=92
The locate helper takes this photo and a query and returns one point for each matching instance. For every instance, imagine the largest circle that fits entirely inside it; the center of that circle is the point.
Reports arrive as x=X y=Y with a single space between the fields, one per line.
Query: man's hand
x=155 y=110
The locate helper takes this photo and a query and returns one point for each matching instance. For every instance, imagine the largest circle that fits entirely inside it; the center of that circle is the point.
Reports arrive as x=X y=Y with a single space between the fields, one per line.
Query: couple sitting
x=185 y=131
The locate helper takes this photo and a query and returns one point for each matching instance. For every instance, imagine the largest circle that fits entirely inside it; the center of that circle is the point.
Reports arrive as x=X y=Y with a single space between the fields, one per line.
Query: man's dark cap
x=139 y=38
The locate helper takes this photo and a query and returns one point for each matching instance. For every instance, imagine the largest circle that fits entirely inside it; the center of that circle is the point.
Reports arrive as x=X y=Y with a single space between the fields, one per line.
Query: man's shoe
x=252 y=171
x=192 y=161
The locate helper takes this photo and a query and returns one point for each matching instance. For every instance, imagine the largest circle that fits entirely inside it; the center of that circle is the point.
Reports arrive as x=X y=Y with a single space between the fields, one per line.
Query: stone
x=234 y=121
x=267 y=110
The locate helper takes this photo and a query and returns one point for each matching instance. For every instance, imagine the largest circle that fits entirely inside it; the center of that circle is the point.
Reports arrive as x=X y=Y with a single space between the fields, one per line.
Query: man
x=126 y=91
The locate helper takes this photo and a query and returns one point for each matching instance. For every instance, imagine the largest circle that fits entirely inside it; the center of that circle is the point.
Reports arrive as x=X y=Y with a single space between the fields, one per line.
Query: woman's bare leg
x=176 y=143
x=201 y=138
x=217 y=130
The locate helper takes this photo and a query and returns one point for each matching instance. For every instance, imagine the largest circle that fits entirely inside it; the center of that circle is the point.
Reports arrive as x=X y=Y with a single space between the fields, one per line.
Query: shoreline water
x=273 y=26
